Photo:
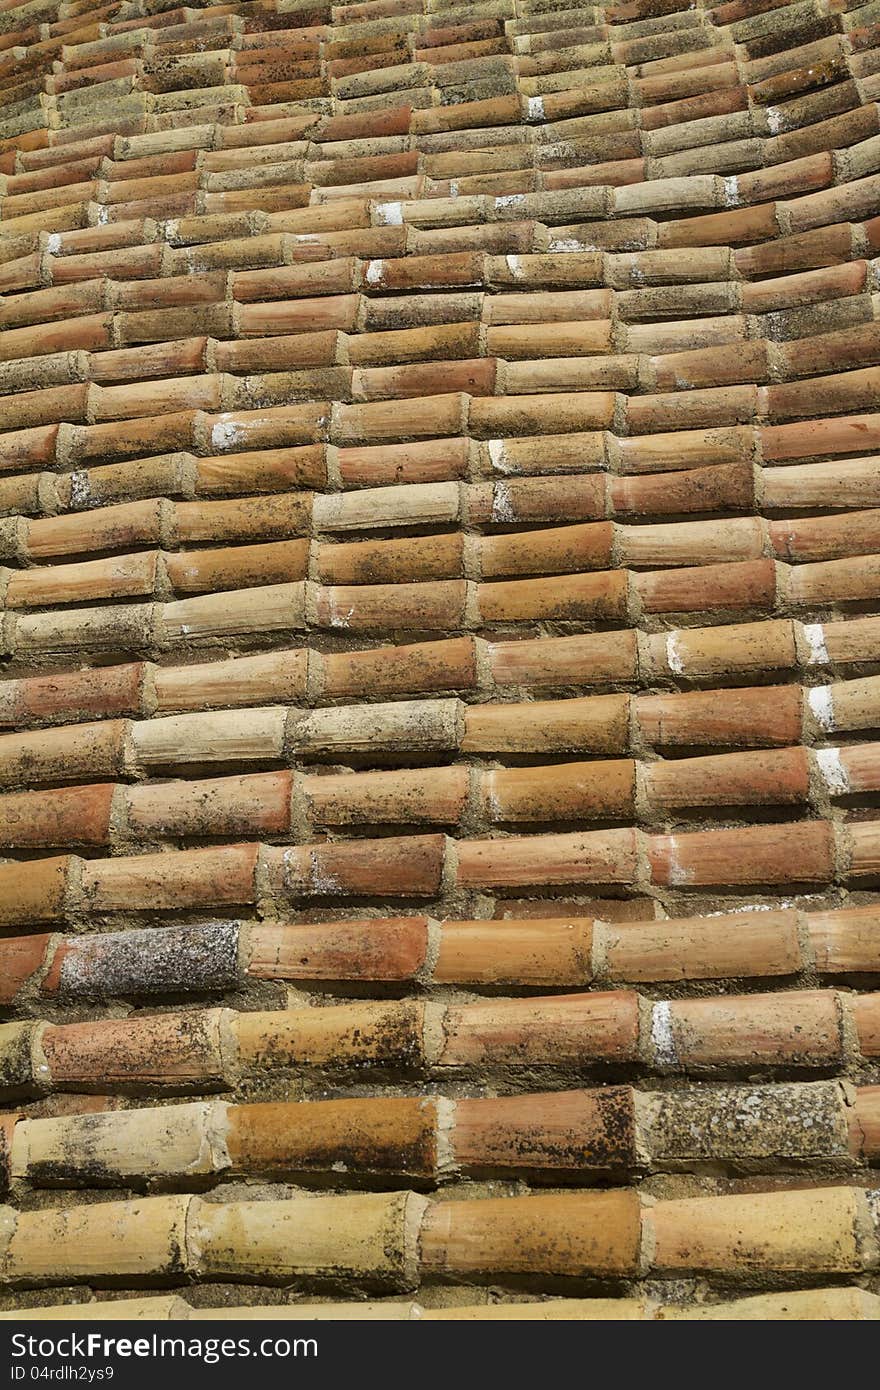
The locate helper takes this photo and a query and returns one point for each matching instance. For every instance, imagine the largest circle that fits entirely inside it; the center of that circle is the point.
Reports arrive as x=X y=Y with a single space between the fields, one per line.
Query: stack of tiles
x=440 y=642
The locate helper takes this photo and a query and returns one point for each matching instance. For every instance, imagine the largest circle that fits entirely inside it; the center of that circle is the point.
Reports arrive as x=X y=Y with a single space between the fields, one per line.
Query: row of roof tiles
x=275 y=460
x=213 y=1049
x=470 y=665
x=739 y=589
x=529 y=953
x=384 y=1242
x=297 y=805
x=563 y=356
x=616 y=1132
x=708 y=417
x=641 y=318
x=578 y=549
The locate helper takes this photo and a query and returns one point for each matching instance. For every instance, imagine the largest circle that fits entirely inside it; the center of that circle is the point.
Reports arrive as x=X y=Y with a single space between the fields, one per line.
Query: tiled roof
x=440 y=659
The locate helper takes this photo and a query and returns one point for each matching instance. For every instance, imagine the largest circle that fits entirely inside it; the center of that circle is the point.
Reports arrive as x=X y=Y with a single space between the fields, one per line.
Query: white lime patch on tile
x=815 y=638
x=775 y=120
x=375 y=271
x=821 y=702
x=674 y=656
x=338 y=619
x=53 y=245
x=508 y=200
x=322 y=881
x=445 y=1127
x=662 y=1036
x=731 y=191
x=498 y=455
x=746 y=907
x=833 y=771
x=453 y=188
x=390 y=214
x=766 y=907
x=80 y=495
x=514 y=265
x=225 y=434
x=502 y=504
x=678 y=874
x=536 y=108
x=172 y=230
x=569 y=244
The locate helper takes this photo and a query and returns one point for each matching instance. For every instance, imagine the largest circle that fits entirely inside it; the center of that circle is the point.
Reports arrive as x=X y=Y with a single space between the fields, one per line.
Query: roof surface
x=440 y=541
